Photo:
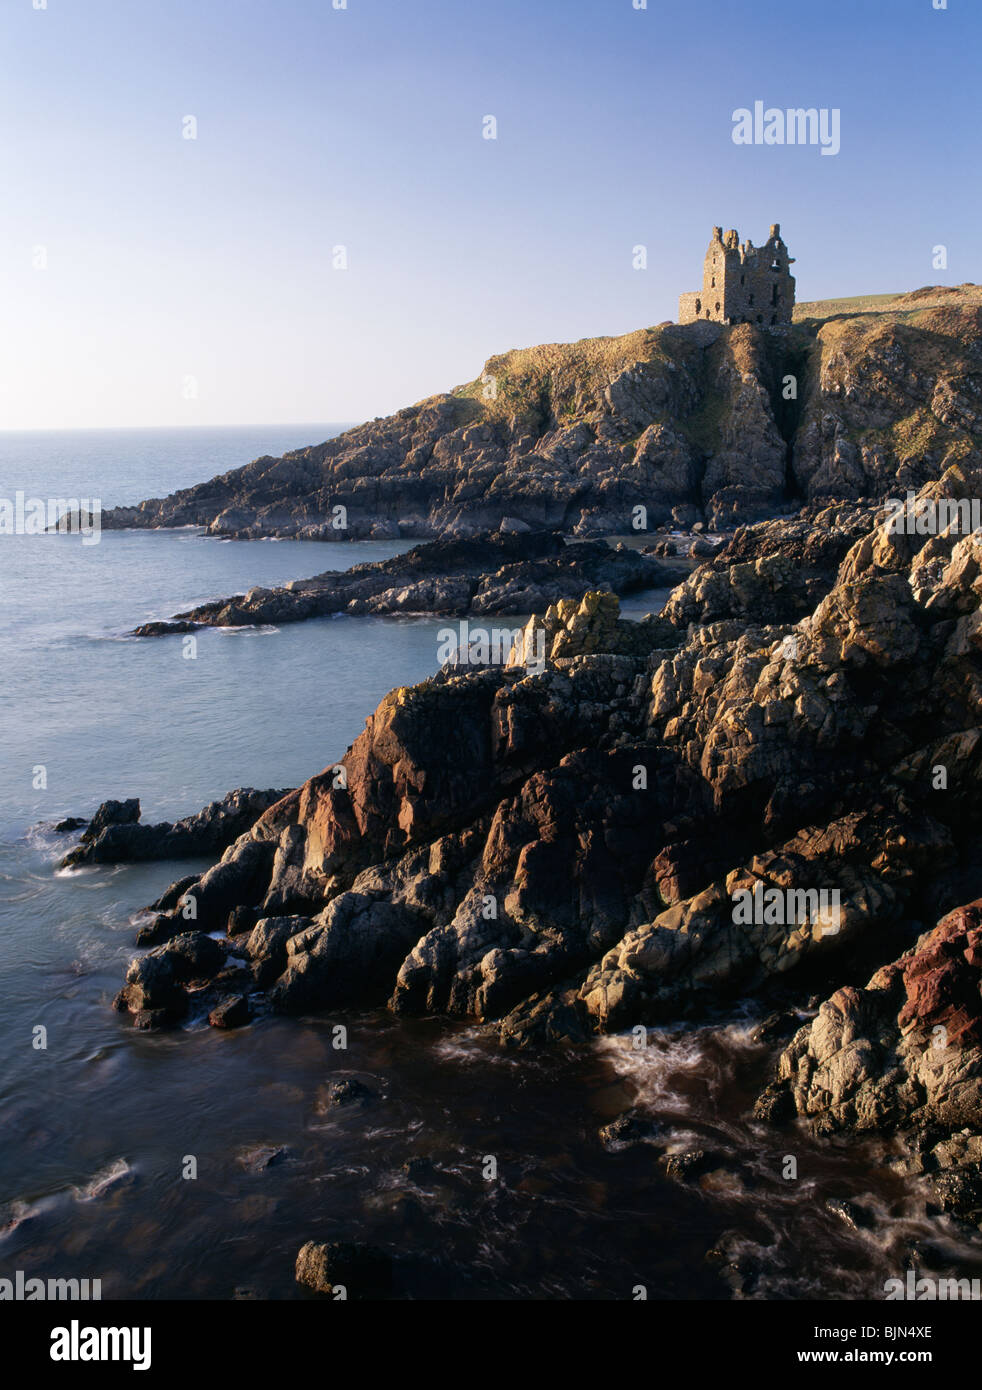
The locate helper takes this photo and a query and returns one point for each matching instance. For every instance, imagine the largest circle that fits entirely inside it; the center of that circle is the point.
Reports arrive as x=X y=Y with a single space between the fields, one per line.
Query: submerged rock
x=350 y=1091
x=262 y=1156
x=361 y=1271
x=233 y=1012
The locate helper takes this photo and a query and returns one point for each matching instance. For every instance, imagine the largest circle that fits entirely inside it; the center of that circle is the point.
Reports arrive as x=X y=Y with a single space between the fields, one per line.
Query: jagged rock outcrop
x=895 y=397
x=486 y=575
x=115 y=836
x=903 y=1055
x=905 y=1050
x=560 y=849
x=700 y=421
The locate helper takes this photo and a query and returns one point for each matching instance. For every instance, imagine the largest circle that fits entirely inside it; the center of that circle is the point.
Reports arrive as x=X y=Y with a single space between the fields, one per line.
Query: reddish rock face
x=942 y=980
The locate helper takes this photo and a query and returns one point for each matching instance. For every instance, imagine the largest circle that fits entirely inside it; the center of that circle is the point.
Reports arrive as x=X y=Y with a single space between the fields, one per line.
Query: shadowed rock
x=115 y=837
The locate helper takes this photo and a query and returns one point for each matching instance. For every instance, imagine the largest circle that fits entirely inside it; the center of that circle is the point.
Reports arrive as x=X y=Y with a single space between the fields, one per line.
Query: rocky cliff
x=857 y=399
x=767 y=790
x=559 y=852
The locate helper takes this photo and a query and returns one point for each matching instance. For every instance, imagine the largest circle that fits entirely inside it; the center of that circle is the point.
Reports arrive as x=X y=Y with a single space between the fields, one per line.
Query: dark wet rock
x=847 y=1212
x=114 y=835
x=260 y=1157
x=70 y=823
x=350 y=952
x=173 y=895
x=776 y=1026
x=349 y=1092
x=738 y=1267
x=242 y=919
x=419 y=1169
x=726 y=1247
x=363 y=1271
x=112 y=814
x=959 y=1190
x=151 y=984
x=237 y=880
x=194 y=956
x=231 y=1013
x=267 y=944
x=236 y=974
x=163 y=628
x=161 y=929
x=154 y=982
x=633 y=1127
x=682 y=1166
x=775 y=1106
x=156 y=1020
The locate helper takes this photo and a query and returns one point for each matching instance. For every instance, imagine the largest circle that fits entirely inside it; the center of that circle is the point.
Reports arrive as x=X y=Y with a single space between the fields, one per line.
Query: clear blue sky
x=211 y=259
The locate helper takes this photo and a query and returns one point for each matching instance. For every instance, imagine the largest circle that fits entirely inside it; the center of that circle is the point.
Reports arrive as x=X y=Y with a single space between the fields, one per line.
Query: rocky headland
x=692 y=423
x=558 y=851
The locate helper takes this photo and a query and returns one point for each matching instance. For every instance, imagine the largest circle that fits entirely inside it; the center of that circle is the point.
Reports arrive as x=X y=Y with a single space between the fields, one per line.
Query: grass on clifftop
x=931 y=296
x=564 y=383
x=568 y=378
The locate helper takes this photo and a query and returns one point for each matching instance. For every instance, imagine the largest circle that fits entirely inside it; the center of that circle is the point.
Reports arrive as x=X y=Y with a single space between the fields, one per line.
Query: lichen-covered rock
x=903 y=1053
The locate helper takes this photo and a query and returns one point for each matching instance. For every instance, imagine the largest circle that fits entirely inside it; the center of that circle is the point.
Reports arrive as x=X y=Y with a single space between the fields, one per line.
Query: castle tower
x=743 y=284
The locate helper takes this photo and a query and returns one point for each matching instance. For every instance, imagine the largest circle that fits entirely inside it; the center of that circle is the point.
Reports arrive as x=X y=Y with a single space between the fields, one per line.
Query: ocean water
x=99 y=1126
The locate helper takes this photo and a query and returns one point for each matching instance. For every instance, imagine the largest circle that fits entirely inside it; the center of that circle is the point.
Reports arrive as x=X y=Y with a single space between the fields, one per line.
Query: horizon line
x=248 y=425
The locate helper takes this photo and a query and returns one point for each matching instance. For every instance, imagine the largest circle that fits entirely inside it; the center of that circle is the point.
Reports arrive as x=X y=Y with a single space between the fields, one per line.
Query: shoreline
x=388 y=879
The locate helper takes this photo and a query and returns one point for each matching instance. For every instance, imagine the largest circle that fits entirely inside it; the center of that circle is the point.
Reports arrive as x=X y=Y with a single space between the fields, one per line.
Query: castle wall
x=690 y=307
x=743 y=284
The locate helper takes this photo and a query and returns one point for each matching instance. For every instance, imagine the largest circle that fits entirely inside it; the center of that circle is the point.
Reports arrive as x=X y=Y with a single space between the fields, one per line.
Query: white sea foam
x=107 y=1177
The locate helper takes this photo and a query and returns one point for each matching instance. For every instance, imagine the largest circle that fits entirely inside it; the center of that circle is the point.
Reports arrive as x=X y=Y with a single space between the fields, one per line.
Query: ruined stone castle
x=743 y=284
